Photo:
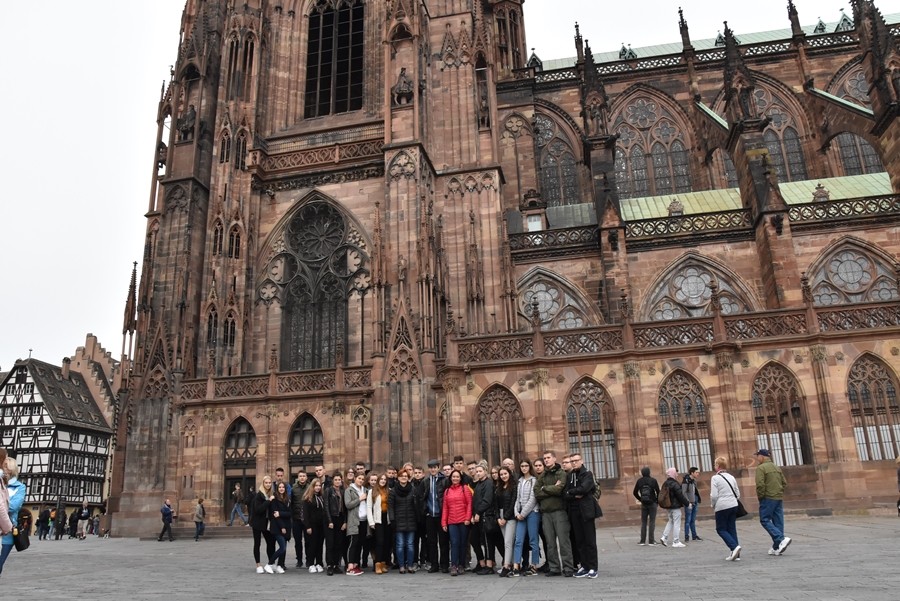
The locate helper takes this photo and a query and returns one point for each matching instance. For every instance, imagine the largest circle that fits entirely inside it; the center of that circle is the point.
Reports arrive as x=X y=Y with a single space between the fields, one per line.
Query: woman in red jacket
x=455 y=518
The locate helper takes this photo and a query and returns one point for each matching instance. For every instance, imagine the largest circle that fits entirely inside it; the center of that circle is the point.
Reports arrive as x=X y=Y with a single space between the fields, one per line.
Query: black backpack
x=647 y=494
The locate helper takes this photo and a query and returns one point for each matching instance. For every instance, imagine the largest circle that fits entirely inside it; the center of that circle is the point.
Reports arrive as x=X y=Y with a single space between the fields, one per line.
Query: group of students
x=439 y=519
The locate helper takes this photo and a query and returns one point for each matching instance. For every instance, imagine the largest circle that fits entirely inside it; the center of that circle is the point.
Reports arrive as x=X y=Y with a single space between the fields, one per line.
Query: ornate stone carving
x=724 y=360
x=541 y=376
x=632 y=370
x=402 y=165
x=817 y=352
x=402 y=91
x=320 y=179
x=821 y=193
x=450 y=384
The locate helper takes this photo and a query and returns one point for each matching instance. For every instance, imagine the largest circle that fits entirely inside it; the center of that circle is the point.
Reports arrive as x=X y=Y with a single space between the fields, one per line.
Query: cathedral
x=384 y=231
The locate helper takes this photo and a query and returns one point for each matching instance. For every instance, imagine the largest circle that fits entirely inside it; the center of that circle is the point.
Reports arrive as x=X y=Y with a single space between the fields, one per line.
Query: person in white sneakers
x=770 y=484
x=724 y=494
x=672 y=499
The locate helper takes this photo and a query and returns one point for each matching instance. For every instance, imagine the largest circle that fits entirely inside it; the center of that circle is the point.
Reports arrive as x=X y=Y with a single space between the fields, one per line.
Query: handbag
x=741 y=512
x=20 y=539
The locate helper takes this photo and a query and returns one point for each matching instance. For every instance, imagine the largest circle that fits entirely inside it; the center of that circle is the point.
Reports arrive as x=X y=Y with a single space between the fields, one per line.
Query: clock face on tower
x=268 y=291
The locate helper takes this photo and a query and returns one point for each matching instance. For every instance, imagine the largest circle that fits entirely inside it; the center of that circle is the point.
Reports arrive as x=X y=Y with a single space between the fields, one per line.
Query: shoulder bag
x=741 y=512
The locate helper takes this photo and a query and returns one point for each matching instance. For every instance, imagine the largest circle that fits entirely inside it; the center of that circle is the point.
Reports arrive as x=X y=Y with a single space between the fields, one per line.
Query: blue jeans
x=690 y=522
x=199 y=529
x=459 y=538
x=771 y=516
x=531 y=523
x=726 y=526
x=282 y=547
x=237 y=510
x=4 y=553
x=403 y=548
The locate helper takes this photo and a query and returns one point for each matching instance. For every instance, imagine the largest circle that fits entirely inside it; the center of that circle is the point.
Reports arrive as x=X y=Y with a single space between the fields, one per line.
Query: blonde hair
x=721 y=463
x=262 y=488
x=12 y=468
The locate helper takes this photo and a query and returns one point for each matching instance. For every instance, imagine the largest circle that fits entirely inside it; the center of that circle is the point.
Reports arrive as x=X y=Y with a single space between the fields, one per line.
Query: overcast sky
x=82 y=82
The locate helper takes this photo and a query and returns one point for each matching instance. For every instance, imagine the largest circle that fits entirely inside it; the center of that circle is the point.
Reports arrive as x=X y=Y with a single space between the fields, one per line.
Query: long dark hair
x=509 y=481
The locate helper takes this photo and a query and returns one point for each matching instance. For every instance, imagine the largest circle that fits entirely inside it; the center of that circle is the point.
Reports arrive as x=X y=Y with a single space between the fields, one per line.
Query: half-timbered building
x=53 y=426
x=385 y=232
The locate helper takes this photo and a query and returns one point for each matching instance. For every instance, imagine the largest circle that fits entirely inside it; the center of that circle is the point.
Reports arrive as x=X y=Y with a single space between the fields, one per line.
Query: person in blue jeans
x=770 y=485
x=689 y=488
x=402 y=514
x=17 y=492
x=237 y=497
x=528 y=521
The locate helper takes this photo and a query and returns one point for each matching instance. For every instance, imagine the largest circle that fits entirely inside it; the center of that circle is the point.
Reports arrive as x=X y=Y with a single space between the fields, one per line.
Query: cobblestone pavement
x=840 y=558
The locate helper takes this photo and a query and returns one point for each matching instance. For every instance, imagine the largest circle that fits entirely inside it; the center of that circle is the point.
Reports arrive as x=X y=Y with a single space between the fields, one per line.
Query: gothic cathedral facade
x=382 y=231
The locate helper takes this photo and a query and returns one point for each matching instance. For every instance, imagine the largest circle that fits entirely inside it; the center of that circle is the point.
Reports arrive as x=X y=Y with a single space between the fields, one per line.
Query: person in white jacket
x=724 y=494
x=528 y=520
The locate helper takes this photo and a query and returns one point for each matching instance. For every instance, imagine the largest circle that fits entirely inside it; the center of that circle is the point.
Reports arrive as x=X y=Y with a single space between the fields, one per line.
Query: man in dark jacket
x=436 y=539
x=548 y=491
x=646 y=491
x=582 y=509
x=167 y=515
x=297 y=492
x=677 y=500
x=692 y=493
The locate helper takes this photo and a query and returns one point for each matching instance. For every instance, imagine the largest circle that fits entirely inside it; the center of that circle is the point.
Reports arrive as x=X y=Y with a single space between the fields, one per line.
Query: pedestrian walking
x=724 y=495
x=689 y=486
x=167 y=516
x=199 y=517
x=770 y=485
x=672 y=500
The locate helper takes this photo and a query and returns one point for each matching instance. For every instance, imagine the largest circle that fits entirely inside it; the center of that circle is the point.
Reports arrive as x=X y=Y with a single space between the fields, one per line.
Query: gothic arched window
x=559 y=177
x=307 y=443
x=652 y=157
x=334 y=62
x=212 y=327
x=225 y=148
x=683 y=423
x=874 y=410
x=240 y=443
x=779 y=416
x=234 y=243
x=229 y=331
x=781 y=137
x=500 y=427
x=849 y=274
x=218 y=236
x=558 y=307
x=857 y=156
x=240 y=151
x=323 y=263
x=591 y=426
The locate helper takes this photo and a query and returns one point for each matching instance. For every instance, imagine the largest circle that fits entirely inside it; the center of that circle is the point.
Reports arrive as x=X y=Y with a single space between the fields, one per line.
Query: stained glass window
x=560 y=179
x=874 y=410
x=307 y=442
x=212 y=327
x=848 y=274
x=240 y=442
x=324 y=263
x=334 y=67
x=683 y=423
x=857 y=155
x=651 y=156
x=591 y=426
x=778 y=415
x=500 y=426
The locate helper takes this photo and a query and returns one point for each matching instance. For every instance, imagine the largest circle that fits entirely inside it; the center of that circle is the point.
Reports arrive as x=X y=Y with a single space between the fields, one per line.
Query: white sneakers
x=259 y=570
x=312 y=569
x=279 y=570
x=678 y=545
x=783 y=546
x=735 y=554
x=319 y=568
x=269 y=569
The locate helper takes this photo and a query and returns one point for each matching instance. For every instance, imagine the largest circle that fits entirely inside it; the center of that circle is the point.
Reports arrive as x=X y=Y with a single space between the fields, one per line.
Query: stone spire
x=739 y=82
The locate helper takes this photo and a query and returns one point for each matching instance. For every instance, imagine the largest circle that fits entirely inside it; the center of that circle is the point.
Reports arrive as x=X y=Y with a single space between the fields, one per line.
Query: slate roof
x=68 y=401
x=699 y=45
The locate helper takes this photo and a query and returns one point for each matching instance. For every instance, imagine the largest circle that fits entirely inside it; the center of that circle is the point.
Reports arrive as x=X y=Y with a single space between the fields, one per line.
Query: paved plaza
x=841 y=558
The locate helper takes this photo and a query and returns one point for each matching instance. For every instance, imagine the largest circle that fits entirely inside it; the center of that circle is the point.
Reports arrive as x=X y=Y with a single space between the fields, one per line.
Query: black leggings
x=381 y=550
x=270 y=543
x=314 y=543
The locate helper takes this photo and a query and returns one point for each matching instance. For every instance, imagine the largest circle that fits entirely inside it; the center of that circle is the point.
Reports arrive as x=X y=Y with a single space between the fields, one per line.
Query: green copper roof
x=729 y=199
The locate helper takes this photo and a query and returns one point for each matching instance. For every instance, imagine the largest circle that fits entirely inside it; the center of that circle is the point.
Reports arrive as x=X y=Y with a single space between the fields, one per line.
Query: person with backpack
x=672 y=500
x=646 y=491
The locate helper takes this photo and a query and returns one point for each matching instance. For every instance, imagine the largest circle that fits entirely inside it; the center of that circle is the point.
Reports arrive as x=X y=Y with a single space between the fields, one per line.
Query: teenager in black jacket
x=505 y=502
x=646 y=491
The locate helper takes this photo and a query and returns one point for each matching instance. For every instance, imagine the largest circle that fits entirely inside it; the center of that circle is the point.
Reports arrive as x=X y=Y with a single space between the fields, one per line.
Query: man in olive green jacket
x=554 y=519
x=770 y=485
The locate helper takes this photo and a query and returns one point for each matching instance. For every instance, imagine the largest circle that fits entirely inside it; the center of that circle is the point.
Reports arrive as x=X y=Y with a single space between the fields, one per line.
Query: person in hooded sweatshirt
x=646 y=491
